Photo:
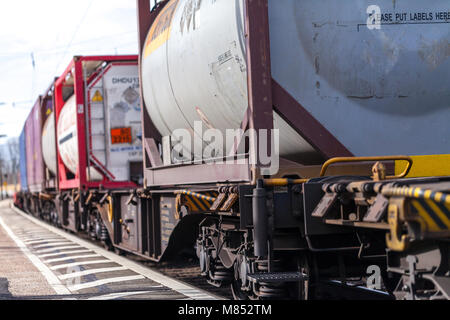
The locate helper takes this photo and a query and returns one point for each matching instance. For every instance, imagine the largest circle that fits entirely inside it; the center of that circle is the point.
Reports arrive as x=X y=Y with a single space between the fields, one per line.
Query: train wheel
x=107 y=245
x=237 y=292
x=241 y=269
x=119 y=252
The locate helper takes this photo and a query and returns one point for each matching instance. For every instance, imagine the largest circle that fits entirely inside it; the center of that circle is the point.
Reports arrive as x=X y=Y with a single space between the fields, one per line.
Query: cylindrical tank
x=67 y=135
x=49 y=144
x=68 y=139
x=379 y=91
x=199 y=73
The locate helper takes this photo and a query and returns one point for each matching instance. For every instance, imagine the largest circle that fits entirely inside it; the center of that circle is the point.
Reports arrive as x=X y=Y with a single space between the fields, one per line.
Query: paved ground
x=38 y=261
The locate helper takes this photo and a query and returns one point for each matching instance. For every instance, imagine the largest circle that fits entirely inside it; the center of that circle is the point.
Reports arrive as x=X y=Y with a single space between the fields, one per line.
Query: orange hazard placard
x=121 y=135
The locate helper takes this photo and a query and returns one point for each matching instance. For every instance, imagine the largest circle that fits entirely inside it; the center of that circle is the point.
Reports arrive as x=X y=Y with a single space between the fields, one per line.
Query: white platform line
x=72 y=257
x=26 y=236
x=39 y=235
x=53 y=245
x=49 y=240
x=27 y=240
x=33 y=235
x=80 y=263
x=97 y=283
x=57 y=248
x=112 y=296
x=173 y=284
x=52 y=280
x=90 y=271
x=31 y=232
x=62 y=253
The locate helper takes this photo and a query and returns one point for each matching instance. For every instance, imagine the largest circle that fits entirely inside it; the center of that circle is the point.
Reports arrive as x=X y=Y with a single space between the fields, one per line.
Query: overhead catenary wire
x=26 y=54
x=45 y=56
x=74 y=35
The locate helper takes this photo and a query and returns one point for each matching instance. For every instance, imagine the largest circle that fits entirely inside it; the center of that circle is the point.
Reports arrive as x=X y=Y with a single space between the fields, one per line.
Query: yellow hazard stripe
x=196 y=203
x=432 y=207
x=198 y=195
x=431 y=225
x=191 y=205
x=418 y=193
x=199 y=203
x=439 y=213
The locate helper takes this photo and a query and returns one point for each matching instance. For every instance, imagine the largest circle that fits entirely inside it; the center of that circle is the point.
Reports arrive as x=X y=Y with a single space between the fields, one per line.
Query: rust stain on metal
x=361 y=97
x=317 y=64
x=435 y=53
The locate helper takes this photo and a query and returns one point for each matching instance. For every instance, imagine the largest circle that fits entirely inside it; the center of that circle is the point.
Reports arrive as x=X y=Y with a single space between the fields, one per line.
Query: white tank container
x=113 y=106
x=378 y=91
x=48 y=143
x=199 y=73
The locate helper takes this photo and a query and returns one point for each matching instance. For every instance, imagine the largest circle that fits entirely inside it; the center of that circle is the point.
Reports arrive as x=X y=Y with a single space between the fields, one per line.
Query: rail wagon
x=336 y=80
x=298 y=148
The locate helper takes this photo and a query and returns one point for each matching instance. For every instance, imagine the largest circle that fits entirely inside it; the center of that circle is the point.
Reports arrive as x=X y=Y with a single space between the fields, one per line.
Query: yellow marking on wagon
x=431 y=225
x=97 y=97
x=426 y=166
x=161 y=29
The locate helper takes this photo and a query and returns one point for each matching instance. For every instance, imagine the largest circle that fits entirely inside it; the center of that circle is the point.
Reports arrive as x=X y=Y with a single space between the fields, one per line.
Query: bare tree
x=3 y=164
x=9 y=163
x=14 y=154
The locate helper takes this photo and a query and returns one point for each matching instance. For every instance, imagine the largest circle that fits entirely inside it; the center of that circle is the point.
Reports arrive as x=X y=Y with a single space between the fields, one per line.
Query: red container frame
x=75 y=69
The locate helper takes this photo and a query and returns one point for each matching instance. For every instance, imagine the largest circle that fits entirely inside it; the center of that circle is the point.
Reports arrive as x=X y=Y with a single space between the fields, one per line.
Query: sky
x=39 y=38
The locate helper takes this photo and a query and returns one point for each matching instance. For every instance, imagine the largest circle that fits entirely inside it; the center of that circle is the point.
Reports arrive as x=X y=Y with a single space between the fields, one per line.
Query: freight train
x=263 y=136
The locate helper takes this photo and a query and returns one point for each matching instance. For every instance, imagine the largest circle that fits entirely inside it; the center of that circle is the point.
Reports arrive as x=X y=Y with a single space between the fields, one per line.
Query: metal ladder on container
x=92 y=159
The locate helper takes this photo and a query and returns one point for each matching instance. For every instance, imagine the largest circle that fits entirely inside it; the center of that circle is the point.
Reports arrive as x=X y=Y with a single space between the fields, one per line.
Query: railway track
x=185 y=268
x=188 y=271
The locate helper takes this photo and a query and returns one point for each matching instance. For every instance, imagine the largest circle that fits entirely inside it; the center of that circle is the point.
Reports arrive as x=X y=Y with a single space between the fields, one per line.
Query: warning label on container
x=121 y=135
x=97 y=97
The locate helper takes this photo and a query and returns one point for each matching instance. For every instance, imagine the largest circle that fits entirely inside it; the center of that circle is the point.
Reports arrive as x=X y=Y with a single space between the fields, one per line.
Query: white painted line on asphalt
x=34 y=235
x=57 y=248
x=90 y=271
x=37 y=239
x=41 y=240
x=62 y=253
x=72 y=257
x=173 y=284
x=53 y=245
x=91 y=284
x=26 y=236
x=31 y=232
x=49 y=276
x=80 y=263
x=112 y=296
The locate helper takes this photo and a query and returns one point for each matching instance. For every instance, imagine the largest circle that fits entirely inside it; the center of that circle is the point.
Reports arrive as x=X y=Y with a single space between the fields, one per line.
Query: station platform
x=39 y=261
